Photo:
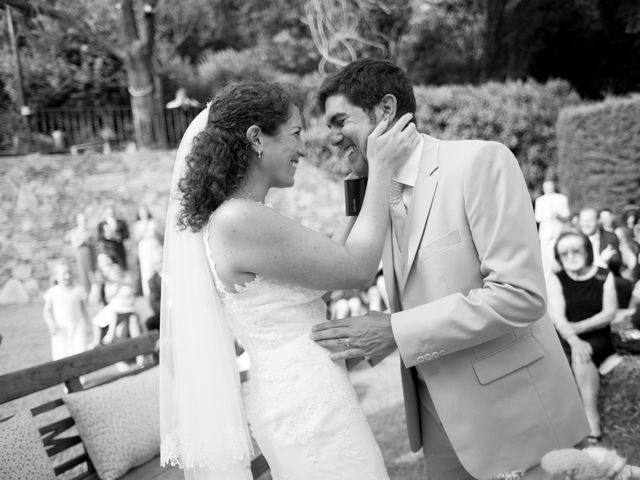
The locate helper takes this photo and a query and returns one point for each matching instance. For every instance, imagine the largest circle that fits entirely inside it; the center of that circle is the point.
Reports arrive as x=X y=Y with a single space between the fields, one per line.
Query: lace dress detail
x=301 y=406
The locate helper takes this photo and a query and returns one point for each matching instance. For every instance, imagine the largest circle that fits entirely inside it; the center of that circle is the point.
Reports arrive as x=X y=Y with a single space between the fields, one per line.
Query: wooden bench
x=59 y=436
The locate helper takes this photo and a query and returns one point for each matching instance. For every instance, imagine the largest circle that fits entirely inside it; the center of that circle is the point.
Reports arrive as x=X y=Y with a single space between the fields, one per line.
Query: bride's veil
x=202 y=423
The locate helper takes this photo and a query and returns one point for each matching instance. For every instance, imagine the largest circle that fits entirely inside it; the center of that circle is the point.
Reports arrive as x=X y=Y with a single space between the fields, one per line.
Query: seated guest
x=624 y=287
x=605 y=244
x=155 y=285
x=629 y=250
x=630 y=215
x=582 y=304
x=635 y=296
x=118 y=318
x=607 y=220
x=346 y=303
x=635 y=319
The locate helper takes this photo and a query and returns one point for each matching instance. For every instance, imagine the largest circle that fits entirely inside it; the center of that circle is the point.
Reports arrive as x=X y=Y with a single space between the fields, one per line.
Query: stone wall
x=41 y=195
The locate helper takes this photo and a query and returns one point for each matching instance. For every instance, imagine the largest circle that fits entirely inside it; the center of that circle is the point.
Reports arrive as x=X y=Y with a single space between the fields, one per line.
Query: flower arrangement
x=591 y=463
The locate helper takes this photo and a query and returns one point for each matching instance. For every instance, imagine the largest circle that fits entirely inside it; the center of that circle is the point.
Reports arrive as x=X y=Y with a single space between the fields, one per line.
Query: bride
x=234 y=267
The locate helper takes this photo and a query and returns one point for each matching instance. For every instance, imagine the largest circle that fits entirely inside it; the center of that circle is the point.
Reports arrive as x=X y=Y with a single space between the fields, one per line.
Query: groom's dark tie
x=397 y=209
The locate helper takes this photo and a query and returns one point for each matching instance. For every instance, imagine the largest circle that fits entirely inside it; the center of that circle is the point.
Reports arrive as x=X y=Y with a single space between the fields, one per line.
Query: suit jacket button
x=442 y=352
x=435 y=355
x=427 y=356
x=420 y=359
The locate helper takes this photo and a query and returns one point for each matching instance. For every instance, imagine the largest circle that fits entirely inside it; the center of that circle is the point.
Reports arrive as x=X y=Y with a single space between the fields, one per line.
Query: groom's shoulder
x=472 y=151
x=463 y=157
x=474 y=146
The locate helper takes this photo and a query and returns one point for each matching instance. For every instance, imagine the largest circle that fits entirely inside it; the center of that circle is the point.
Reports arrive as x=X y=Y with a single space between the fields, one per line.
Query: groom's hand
x=368 y=336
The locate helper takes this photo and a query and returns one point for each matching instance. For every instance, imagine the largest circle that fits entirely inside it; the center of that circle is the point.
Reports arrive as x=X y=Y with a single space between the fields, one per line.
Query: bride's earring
x=259 y=155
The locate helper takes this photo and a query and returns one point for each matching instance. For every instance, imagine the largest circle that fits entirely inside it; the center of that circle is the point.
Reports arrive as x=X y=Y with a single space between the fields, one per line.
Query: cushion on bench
x=119 y=422
x=22 y=454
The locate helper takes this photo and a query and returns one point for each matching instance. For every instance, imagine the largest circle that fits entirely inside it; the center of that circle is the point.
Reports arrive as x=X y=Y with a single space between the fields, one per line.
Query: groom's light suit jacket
x=472 y=314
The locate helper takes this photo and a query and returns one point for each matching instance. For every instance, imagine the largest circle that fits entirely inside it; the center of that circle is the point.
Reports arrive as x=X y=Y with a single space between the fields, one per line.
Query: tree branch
x=67 y=19
x=149 y=24
x=129 y=26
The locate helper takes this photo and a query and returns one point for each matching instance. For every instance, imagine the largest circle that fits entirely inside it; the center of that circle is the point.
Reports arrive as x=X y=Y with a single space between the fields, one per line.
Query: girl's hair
x=219 y=157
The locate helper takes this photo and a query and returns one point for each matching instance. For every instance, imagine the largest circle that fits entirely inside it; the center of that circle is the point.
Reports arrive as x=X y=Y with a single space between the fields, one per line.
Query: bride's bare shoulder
x=239 y=215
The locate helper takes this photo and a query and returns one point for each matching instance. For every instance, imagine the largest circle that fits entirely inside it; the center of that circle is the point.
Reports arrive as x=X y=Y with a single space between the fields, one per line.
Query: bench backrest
x=68 y=371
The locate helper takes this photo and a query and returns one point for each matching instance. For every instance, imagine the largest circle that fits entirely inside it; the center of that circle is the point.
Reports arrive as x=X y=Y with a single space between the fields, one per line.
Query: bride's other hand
x=389 y=148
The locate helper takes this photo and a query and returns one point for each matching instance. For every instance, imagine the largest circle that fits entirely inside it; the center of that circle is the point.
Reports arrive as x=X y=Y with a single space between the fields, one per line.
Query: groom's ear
x=254 y=135
x=388 y=106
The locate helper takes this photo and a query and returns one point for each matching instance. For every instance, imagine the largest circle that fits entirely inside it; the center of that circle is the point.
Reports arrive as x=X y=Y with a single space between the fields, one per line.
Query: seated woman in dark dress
x=582 y=304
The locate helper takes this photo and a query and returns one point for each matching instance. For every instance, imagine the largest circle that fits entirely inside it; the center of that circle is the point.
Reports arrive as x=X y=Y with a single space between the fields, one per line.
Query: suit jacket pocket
x=439 y=244
x=514 y=356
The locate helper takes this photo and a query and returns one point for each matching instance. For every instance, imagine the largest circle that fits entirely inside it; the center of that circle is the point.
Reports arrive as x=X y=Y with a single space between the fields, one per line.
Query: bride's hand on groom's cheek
x=391 y=147
x=367 y=336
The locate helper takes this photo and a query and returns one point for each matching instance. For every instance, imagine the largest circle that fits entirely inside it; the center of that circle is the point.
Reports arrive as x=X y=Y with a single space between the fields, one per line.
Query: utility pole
x=16 y=59
x=24 y=110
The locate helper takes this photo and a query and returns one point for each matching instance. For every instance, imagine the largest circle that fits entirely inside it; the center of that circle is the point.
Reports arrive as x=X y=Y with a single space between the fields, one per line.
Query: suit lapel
x=389 y=272
x=423 y=193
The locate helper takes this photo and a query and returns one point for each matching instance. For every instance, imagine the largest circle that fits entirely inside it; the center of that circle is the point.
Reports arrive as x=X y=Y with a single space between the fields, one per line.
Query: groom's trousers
x=441 y=461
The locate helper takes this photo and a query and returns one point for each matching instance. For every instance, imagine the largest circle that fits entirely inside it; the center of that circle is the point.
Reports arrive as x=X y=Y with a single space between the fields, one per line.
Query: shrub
x=599 y=149
x=520 y=114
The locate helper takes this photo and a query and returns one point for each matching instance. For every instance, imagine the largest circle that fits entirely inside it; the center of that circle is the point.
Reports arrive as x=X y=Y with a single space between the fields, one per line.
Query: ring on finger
x=346 y=342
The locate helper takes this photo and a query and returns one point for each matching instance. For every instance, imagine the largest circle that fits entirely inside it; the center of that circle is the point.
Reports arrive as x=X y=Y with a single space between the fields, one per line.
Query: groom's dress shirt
x=405 y=178
x=407 y=173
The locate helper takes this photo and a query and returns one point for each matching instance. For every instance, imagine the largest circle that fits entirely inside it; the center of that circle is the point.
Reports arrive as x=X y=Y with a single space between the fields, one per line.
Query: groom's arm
x=500 y=217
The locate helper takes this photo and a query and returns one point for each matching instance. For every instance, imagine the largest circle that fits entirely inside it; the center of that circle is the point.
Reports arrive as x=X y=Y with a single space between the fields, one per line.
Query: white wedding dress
x=301 y=406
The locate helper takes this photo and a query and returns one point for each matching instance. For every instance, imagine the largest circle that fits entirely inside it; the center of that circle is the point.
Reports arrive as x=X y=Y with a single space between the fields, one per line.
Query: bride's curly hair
x=219 y=157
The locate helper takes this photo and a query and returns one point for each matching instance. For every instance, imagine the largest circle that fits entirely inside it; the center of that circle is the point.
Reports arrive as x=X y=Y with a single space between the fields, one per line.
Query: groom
x=487 y=388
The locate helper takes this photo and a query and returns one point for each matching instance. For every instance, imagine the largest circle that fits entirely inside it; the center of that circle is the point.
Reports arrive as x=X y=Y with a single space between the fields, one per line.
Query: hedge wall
x=599 y=150
x=522 y=115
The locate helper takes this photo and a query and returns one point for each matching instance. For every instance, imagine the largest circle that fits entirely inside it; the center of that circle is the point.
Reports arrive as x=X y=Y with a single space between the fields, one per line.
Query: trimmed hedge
x=520 y=114
x=599 y=150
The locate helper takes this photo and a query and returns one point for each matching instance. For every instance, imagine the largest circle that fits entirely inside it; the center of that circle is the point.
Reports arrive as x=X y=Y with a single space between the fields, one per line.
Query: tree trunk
x=493 y=16
x=159 y=124
x=140 y=81
x=138 y=60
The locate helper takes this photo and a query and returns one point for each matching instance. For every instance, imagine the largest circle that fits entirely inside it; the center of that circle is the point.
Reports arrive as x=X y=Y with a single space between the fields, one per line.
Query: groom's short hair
x=364 y=82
